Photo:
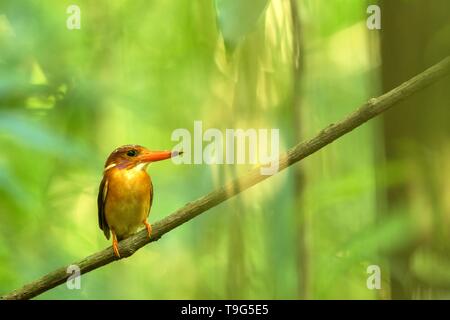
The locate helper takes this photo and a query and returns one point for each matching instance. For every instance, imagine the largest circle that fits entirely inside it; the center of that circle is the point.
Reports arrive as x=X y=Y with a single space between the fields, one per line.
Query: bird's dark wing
x=151 y=196
x=101 y=200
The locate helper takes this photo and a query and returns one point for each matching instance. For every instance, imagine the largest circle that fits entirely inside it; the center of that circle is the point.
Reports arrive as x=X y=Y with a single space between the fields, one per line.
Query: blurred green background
x=137 y=70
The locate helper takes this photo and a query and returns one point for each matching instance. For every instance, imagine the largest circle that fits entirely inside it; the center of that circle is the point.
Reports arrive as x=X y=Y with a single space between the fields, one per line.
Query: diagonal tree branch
x=127 y=247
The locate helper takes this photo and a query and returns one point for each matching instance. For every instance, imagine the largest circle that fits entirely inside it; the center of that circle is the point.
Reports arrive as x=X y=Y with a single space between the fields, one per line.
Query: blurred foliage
x=137 y=70
x=237 y=18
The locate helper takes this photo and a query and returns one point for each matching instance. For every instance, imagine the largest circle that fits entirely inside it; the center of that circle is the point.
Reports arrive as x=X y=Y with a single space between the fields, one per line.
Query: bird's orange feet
x=115 y=245
x=149 y=228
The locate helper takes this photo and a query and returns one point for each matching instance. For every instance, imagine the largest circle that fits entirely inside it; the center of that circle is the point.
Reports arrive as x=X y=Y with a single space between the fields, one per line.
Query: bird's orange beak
x=152 y=156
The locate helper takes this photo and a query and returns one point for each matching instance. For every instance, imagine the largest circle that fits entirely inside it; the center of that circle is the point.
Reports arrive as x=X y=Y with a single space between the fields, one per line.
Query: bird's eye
x=132 y=153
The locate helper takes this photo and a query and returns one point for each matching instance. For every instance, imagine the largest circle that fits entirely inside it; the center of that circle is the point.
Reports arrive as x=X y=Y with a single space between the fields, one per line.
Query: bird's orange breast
x=128 y=200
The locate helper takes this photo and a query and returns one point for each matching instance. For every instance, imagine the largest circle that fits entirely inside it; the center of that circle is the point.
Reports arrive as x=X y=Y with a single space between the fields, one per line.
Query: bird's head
x=135 y=156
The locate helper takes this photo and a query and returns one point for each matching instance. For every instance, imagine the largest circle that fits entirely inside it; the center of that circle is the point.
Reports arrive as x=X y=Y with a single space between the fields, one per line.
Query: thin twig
x=127 y=247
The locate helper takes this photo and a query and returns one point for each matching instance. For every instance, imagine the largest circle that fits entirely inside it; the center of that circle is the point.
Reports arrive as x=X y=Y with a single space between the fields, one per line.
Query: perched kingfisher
x=125 y=195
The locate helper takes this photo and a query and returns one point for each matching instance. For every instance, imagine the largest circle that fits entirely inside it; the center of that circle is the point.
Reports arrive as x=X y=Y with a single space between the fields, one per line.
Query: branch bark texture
x=367 y=111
